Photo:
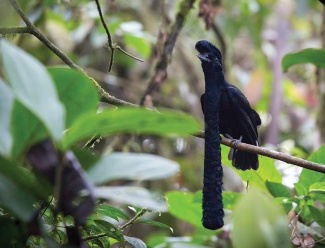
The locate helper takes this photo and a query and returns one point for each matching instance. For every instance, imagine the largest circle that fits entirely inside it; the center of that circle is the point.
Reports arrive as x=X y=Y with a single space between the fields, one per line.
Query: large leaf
x=76 y=92
x=182 y=205
x=258 y=222
x=135 y=196
x=7 y=100
x=309 y=177
x=26 y=179
x=309 y=55
x=16 y=199
x=265 y=172
x=26 y=129
x=130 y=120
x=132 y=166
x=278 y=189
x=33 y=86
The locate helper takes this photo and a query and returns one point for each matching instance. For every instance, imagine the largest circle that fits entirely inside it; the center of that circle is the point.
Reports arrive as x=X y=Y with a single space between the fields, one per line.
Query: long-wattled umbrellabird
x=226 y=111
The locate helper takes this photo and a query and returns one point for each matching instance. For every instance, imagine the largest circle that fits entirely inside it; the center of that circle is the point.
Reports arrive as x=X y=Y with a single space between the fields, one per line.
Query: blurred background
x=253 y=36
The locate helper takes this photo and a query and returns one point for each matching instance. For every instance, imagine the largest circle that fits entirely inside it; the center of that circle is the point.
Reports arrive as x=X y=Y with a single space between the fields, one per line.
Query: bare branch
x=271 y=154
x=112 y=46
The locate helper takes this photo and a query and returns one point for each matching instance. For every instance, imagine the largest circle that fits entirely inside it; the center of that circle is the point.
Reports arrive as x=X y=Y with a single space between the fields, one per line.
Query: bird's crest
x=205 y=47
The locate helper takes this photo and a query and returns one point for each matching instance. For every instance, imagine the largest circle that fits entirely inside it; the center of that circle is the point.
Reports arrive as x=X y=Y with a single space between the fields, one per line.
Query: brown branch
x=161 y=67
x=271 y=154
x=31 y=29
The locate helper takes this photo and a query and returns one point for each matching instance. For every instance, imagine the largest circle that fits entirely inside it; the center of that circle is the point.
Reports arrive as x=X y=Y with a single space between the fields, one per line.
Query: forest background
x=272 y=51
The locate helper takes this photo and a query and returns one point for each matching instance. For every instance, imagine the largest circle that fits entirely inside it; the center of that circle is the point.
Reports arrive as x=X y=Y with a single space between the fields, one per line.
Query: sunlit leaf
x=136 y=196
x=317 y=187
x=265 y=172
x=309 y=55
x=309 y=177
x=258 y=222
x=182 y=206
x=33 y=87
x=76 y=92
x=112 y=121
x=133 y=166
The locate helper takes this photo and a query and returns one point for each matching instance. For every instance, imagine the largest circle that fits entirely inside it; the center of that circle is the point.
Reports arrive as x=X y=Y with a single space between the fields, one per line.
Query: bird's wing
x=248 y=118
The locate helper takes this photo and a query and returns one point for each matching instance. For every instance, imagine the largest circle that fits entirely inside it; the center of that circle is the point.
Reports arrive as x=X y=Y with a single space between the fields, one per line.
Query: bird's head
x=209 y=54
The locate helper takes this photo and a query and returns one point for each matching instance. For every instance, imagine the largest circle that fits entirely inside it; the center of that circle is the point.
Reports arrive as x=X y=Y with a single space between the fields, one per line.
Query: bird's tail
x=212 y=189
x=243 y=160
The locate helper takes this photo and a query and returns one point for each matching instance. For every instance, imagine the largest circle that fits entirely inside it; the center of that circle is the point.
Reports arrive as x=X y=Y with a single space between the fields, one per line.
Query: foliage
x=76 y=172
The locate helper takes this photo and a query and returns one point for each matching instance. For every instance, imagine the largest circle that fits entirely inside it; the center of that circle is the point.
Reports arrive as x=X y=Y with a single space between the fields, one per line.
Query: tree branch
x=31 y=29
x=270 y=153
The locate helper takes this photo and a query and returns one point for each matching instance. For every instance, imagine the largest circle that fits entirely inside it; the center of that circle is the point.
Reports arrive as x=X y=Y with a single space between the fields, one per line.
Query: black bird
x=226 y=111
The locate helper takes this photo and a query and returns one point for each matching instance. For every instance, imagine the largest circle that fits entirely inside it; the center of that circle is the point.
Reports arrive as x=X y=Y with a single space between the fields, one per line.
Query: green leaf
x=7 y=100
x=33 y=87
x=110 y=211
x=11 y=234
x=26 y=179
x=258 y=222
x=86 y=157
x=309 y=177
x=309 y=55
x=76 y=92
x=16 y=199
x=318 y=215
x=135 y=242
x=26 y=129
x=136 y=196
x=139 y=43
x=317 y=188
x=124 y=119
x=111 y=230
x=156 y=223
x=266 y=171
x=229 y=198
x=277 y=189
x=133 y=166
x=182 y=206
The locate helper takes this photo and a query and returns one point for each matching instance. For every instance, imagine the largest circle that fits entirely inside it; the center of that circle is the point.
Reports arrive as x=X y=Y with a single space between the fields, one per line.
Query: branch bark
x=271 y=154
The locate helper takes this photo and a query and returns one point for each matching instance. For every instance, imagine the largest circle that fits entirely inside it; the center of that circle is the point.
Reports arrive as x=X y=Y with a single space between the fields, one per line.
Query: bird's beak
x=203 y=57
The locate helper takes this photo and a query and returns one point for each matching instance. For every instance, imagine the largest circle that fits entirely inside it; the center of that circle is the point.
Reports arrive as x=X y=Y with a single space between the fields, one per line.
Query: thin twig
x=271 y=154
x=134 y=219
x=111 y=46
x=31 y=29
